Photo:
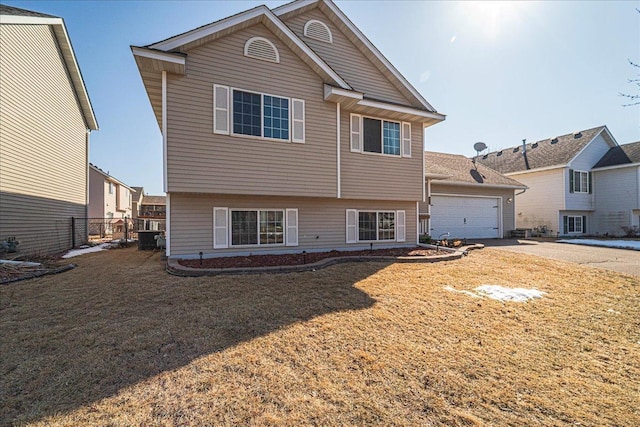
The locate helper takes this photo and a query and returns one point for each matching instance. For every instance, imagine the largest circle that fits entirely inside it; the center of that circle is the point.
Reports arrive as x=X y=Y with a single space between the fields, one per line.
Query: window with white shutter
x=221 y=109
x=297 y=120
x=401 y=226
x=292 y=227
x=406 y=139
x=352 y=226
x=220 y=228
x=356 y=132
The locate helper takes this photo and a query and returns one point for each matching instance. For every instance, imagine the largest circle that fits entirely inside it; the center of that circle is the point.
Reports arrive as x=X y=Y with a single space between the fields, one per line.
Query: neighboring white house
x=617 y=191
x=561 y=198
x=466 y=200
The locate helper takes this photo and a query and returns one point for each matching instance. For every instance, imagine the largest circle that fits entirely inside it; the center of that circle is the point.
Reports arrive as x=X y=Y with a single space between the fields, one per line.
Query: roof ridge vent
x=499 y=153
x=486 y=156
x=516 y=149
x=577 y=134
x=534 y=145
x=554 y=140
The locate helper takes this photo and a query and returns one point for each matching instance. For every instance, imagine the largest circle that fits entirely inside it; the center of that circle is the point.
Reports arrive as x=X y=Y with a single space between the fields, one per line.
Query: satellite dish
x=479 y=146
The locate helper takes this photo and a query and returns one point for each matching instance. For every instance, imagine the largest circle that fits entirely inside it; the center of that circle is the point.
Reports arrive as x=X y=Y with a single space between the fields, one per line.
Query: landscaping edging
x=173 y=266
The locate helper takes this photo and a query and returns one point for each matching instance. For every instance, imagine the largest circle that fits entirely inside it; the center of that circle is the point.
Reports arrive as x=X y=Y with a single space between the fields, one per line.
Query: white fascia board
x=331 y=90
x=526 y=171
x=470 y=184
x=224 y=24
x=401 y=109
x=160 y=56
x=624 y=165
x=29 y=20
x=378 y=54
x=290 y=7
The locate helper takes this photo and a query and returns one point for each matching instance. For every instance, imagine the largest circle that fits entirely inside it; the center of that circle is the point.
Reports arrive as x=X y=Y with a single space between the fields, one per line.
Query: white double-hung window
x=372 y=135
x=241 y=112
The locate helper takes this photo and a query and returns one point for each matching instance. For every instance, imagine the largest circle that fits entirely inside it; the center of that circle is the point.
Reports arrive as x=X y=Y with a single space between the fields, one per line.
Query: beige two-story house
x=45 y=121
x=285 y=130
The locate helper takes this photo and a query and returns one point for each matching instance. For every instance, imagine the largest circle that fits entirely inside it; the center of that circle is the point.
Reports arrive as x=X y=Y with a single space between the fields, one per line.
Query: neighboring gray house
x=285 y=130
x=561 y=199
x=616 y=182
x=466 y=199
x=45 y=121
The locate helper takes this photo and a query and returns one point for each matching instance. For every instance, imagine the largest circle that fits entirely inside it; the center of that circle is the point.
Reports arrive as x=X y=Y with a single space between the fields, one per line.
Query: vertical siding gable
x=199 y=160
x=347 y=60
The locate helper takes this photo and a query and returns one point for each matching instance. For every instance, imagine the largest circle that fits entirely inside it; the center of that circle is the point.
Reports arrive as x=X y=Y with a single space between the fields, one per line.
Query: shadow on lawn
x=118 y=319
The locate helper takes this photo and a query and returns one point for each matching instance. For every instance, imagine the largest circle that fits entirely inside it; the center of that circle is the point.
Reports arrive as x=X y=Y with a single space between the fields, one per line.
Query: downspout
x=338 y=178
x=164 y=159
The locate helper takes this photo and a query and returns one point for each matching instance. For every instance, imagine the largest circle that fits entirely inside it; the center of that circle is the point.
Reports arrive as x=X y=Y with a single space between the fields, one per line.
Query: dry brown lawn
x=118 y=342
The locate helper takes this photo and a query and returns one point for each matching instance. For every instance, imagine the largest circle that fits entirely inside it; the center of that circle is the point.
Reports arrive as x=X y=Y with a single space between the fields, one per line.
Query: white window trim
x=262 y=95
x=261 y=245
x=361 y=136
x=574 y=224
x=395 y=236
x=581 y=174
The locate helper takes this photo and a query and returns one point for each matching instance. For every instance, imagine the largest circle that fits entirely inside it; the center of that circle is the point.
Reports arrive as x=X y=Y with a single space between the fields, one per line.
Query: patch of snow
x=611 y=310
x=500 y=293
x=469 y=293
x=618 y=244
x=75 y=252
x=508 y=294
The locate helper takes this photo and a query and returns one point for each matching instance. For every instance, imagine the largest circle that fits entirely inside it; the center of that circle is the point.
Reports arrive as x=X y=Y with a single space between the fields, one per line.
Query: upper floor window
x=111 y=188
x=258 y=115
x=261 y=48
x=579 y=181
x=318 y=30
x=372 y=135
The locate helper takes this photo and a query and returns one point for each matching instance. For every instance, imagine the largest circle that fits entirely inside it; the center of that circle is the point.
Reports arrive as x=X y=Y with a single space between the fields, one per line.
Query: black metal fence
x=114 y=228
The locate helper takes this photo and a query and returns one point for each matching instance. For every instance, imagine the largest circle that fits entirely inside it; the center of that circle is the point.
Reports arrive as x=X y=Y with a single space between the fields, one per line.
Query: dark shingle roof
x=547 y=152
x=462 y=169
x=627 y=153
x=10 y=10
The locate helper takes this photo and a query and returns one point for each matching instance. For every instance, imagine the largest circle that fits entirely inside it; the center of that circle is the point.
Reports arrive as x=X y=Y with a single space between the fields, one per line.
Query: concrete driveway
x=620 y=260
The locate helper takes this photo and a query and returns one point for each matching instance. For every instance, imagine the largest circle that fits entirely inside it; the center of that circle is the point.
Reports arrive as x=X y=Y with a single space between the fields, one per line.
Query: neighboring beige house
x=108 y=197
x=45 y=121
x=285 y=130
x=466 y=199
x=136 y=199
x=152 y=213
x=561 y=199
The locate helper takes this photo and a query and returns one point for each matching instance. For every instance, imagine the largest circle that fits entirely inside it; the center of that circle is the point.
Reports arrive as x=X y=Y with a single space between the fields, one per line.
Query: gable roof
x=259 y=14
x=550 y=152
x=457 y=169
x=17 y=16
x=361 y=41
x=154 y=200
x=109 y=177
x=620 y=155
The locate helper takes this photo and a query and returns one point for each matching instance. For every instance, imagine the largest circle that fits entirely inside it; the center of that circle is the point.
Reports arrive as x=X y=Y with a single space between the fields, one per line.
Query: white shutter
x=406 y=139
x=221 y=109
x=292 y=227
x=356 y=132
x=297 y=120
x=220 y=228
x=352 y=226
x=401 y=233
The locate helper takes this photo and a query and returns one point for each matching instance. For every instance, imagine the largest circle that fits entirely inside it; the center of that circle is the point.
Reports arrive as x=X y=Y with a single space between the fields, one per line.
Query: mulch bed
x=298 y=258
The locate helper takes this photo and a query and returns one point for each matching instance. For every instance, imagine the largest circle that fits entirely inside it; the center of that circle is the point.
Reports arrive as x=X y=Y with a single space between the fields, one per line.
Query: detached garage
x=467 y=200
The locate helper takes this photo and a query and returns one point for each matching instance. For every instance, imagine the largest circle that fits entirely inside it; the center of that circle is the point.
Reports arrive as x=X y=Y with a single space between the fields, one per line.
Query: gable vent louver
x=318 y=30
x=261 y=48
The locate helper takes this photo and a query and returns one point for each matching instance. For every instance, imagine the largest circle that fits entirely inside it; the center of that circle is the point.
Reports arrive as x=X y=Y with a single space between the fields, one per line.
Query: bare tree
x=633 y=99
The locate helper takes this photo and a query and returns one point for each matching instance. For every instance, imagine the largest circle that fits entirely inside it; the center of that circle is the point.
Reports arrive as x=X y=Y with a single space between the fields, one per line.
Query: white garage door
x=465 y=217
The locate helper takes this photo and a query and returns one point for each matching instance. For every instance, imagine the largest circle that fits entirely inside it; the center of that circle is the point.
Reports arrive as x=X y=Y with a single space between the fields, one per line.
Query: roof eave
x=484 y=185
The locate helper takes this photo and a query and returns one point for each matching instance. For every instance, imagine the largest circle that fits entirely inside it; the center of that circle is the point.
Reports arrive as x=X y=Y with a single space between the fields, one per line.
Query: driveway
x=620 y=260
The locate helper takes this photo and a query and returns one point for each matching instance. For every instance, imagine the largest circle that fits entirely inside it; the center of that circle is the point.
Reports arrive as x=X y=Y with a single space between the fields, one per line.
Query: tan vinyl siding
x=322 y=222
x=540 y=204
x=343 y=56
x=377 y=176
x=201 y=161
x=508 y=209
x=42 y=138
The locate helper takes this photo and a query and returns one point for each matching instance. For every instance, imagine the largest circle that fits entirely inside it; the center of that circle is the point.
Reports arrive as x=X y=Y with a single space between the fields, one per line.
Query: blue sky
x=500 y=71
